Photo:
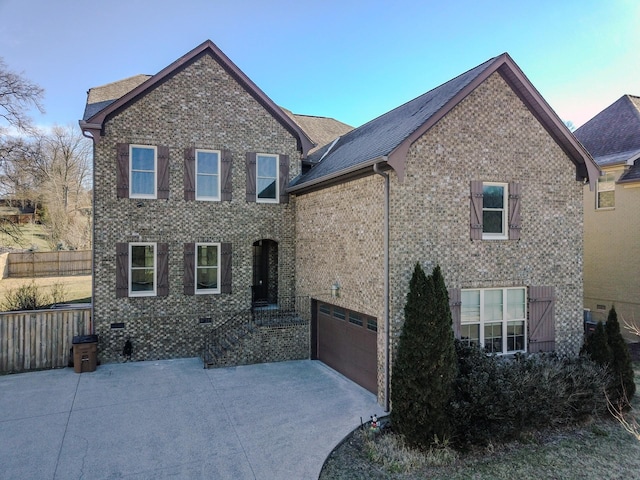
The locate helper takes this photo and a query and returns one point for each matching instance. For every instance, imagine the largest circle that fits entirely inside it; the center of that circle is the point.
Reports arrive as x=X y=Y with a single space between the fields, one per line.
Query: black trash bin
x=85 y=353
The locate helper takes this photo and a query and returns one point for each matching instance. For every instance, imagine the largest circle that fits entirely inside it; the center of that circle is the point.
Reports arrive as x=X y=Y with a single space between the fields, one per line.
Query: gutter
x=384 y=175
x=326 y=178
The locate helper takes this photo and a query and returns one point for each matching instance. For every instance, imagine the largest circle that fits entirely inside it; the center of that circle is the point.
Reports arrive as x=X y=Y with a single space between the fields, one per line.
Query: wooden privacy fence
x=49 y=264
x=37 y=339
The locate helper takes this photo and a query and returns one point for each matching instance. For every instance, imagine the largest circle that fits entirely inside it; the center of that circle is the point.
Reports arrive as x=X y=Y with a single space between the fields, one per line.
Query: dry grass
x=77 y=289
x=32 y=236
x=601 y=449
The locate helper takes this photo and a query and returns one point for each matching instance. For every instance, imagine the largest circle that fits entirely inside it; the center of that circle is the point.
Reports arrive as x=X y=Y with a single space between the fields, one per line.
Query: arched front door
x=265 y=272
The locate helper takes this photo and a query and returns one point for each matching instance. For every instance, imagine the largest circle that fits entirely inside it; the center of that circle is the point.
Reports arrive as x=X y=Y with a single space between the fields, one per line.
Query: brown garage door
x=347 y=342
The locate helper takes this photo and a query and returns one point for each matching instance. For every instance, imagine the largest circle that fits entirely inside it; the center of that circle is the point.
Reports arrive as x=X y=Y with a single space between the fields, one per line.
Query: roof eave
x=304 y=142
x=361 y=169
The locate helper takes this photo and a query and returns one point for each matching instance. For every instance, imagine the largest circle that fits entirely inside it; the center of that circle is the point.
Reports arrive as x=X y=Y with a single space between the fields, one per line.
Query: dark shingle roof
x=633 y=174
x=381 y=136
x=613 y=135
x=321 y=130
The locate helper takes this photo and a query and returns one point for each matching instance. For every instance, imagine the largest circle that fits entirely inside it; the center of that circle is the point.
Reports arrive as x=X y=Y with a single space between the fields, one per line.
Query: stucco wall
x=612 y=254
x=200 y=106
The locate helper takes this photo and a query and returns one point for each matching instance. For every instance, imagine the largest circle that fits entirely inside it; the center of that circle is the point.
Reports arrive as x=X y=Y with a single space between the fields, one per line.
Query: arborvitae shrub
x=622 y=386
x=597 y=347
x=425 y=365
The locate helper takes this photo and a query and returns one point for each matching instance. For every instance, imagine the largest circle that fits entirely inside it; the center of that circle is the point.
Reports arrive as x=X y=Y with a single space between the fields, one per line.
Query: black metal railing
x=228 y=334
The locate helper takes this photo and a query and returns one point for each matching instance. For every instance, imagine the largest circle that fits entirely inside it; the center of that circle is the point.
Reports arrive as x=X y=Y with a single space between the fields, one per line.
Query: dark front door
x=265 y=272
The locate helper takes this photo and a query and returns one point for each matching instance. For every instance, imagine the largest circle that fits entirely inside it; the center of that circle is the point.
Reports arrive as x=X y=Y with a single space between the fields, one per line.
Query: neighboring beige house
x=478 y=175
x=612 y=212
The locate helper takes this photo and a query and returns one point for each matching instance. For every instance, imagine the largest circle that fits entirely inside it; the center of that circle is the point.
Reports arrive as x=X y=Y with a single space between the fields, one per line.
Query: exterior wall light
x=335 y=290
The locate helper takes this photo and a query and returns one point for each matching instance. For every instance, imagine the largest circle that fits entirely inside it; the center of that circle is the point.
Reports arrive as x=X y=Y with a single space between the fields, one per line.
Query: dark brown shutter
x=455 y=305
x=515 y=192
x=251 y=176
x=225 y=266
x=284 y=178
x=541 y=319
x=163 y=172
x=476 y=210
x=122 y=170
x=162 y=257
x=189 y=268
x=122 y=270
x=225 y=173
x=190 y=174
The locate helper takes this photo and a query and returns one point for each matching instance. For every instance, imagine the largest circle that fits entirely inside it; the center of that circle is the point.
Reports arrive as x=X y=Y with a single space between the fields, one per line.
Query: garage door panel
x=347 y=347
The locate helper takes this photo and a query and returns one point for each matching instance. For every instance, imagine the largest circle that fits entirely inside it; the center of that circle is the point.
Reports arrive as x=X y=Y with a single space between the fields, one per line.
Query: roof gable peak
x=94 y=124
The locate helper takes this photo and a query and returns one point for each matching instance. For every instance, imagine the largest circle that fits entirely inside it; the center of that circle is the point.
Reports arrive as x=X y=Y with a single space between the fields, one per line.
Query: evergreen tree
x=597 y=347
x=426 y=362
x=623 y=387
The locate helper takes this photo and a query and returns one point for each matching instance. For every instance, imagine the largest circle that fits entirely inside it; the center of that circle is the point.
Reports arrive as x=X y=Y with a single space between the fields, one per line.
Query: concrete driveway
x=173 y=419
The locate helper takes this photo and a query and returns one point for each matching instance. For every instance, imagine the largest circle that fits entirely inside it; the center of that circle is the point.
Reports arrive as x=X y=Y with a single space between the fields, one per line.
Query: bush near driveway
x=497 y=398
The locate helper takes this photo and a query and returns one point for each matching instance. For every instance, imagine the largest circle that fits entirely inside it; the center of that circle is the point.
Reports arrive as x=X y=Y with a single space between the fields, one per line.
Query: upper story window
x=605 y=197
x=494 y=210
x=494 y=318
x=267 y=178
x=207 y=175
x=142 y=269
x=143 y=168
x=207 y=268
x=142 y=171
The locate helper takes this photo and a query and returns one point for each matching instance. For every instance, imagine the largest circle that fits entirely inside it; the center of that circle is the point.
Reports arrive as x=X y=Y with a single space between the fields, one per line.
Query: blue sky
x=348 y=59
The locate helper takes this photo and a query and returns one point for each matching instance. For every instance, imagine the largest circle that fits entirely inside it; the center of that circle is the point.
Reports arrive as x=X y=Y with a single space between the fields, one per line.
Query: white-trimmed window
x=207 y=268
x=142 y=269
x=267 y=184
x=143 y=171
x=495 y=319
x=208 y=175
x=494 y=210
x=605 y=197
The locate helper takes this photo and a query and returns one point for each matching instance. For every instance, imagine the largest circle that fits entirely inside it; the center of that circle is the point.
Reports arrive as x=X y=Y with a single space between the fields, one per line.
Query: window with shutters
x=605 y=199
x=143 y=169
x=495 y=210
x=267 y=178
x=207 y=268
x=207 y=175
x=494 y=318
x=142 y=269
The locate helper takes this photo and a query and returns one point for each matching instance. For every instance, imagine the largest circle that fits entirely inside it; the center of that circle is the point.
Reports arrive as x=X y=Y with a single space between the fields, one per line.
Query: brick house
x=611 y=219
x=212 y=207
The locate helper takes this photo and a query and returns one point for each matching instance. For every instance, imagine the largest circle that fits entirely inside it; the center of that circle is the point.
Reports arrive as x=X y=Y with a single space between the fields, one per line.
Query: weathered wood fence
x=39 y=339
x=49 y=264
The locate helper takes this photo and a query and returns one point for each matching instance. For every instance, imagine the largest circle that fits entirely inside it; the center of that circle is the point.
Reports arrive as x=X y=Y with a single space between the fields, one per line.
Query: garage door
x=347 y=342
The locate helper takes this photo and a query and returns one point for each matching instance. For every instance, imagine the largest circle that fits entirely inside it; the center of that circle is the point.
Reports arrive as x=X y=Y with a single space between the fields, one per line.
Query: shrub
x=426 y=364
x=29 y=296
x=596 y=346
x=622 y=386
x=497 y=398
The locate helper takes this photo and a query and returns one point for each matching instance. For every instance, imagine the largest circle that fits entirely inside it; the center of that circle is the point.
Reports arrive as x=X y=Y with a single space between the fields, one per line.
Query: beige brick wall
x=489 y=136
x=200 y=106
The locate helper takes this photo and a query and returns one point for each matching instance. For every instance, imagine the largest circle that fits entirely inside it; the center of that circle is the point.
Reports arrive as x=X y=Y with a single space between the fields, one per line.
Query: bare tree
x=17 y=96
x=62 y=172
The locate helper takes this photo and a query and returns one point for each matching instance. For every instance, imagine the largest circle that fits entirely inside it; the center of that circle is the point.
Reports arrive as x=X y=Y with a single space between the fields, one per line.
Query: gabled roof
x=99 y=98
x=389 y=137
x=321 y=130
x=631 y=175
x=94 y=123
x=613 y=135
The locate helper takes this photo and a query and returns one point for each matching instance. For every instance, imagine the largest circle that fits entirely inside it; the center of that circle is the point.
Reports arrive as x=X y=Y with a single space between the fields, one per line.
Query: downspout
x=387 y=402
